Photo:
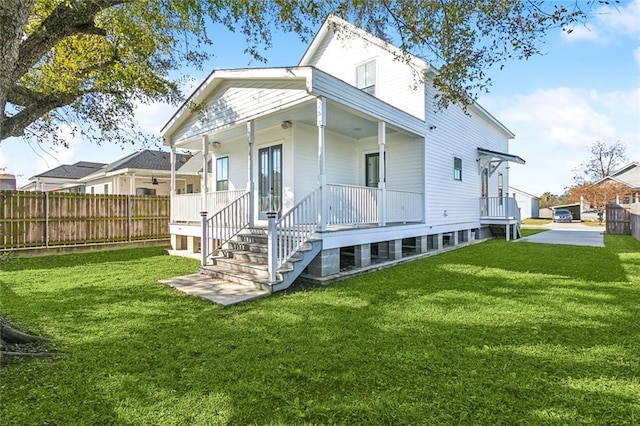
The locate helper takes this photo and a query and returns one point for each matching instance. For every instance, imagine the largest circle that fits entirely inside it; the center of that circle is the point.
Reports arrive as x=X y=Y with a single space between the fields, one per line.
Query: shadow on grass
x=70 y=260
x=447 y=339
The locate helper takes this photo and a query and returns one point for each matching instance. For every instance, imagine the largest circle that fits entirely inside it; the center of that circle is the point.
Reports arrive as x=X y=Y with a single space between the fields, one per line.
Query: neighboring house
x=145 y=172
x=529 y=204
x=348 y=152
x=7 y=182
x=628 y=175
x=66 y=177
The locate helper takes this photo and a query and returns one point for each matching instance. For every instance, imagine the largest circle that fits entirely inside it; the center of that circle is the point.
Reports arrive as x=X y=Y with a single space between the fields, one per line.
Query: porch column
x=424 y=180
x=204 y=187
x=172 y=192
x=203 y=208
x=321 y=115
x=133 y=184
x=382 y=140
x=251 y=137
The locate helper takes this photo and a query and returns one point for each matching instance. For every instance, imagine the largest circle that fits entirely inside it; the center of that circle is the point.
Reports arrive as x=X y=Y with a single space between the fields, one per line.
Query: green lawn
x=494 y=333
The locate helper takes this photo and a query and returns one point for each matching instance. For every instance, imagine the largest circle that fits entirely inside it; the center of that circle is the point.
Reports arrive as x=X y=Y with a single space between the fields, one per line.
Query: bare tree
x=605 y=158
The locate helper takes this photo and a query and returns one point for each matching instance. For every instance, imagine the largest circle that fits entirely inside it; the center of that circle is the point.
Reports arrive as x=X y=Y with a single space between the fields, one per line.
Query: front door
x=270 y=179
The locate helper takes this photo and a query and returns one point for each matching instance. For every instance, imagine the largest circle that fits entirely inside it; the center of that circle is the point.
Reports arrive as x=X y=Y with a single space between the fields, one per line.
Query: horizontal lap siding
x=458 y=135
x=396 y=82
x=338 y=91
x=305 y=151
x=238 y=101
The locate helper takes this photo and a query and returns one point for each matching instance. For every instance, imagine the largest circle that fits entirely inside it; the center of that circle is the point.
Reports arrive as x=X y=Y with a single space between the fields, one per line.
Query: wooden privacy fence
x=42 y=219
x=618 y=219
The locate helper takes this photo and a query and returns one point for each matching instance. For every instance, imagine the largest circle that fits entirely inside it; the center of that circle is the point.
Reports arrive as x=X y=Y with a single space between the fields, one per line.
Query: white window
x=222 y=174
x=366 y=77
x=457 y=168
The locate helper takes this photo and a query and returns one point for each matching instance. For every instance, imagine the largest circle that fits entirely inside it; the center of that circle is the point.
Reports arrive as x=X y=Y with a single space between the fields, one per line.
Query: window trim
x=375 y=76
x=226 y=179
x=457 y=169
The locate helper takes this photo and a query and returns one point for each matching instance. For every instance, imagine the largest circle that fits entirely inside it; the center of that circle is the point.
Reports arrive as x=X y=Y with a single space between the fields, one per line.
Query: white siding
x=630 y=176
x=397 y=83
x=458 y=135
x=238 y=101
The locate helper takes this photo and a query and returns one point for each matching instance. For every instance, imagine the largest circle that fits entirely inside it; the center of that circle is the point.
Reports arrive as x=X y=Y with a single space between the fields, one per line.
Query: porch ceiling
x=340 y=119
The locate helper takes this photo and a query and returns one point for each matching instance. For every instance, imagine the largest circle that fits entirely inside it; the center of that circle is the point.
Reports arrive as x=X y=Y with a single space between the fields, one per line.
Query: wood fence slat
x=618 y=219
x=79 y=218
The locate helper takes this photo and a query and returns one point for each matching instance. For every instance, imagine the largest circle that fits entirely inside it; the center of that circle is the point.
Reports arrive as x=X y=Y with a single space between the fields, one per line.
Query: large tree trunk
x=9 y=334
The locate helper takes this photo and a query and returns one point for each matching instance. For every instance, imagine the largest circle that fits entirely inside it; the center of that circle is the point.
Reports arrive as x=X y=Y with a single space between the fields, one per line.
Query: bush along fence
x=42 y=219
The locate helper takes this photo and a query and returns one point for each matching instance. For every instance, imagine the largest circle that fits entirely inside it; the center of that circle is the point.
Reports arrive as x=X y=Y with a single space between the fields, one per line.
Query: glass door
x=372 y=169
x=270 y=179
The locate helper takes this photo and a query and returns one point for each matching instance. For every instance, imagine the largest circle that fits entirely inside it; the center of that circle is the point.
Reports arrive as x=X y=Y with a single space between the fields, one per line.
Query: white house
x=145 y=172
x=528 y=204
x=346 y=153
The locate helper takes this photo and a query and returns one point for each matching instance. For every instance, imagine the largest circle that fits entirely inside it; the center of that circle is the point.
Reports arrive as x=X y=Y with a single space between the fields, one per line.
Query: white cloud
x=608 y=22
x=555 y=127
x=52 y=156
x=152 y=117
x=4 y=163
x=636 y=56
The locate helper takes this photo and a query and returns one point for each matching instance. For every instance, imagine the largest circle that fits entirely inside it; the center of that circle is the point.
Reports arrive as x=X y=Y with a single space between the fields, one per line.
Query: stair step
x=257 y=270
x=239 y=277
x=246 y=246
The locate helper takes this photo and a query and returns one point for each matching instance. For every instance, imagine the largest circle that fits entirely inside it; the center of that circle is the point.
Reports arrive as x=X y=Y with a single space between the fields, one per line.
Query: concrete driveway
x=574 y=234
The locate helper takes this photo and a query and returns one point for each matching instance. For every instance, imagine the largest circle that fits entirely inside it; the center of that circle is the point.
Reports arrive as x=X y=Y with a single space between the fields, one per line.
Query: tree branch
x=15 y=124
x=67 y=18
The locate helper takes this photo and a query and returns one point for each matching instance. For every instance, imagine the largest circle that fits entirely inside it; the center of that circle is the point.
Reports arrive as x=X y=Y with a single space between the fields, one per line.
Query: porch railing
x=296 y=227
x=352 y=205
x=187 y=207
x=227 y=223
x=499 y=208
x=405 y=206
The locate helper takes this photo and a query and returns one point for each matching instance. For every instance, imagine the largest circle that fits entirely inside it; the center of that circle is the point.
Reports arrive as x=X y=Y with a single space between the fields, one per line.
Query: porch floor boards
x=215 y=290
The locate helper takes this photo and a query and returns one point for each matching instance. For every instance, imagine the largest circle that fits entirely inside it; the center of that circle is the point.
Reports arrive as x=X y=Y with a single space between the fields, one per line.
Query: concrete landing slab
x=593 y=238
x=217 y=291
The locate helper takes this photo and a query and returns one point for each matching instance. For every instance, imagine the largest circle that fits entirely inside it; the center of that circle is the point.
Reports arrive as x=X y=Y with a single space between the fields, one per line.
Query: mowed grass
x=494 y=333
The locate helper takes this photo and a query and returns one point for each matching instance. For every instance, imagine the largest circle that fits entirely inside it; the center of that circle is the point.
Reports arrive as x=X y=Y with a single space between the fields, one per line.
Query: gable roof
x=146 y=160
x=615 y=176
x=332 y=22
x=625 y=168
x=71 y=171
x=514 y=189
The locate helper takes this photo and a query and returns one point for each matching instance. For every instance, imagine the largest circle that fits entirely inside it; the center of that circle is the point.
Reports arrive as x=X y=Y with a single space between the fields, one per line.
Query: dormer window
x=366 y=77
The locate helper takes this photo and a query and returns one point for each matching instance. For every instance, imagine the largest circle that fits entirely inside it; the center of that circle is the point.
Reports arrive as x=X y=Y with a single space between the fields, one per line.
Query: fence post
x=46 y=219
x=272 y=254
x=204 y=239
x=128 y=217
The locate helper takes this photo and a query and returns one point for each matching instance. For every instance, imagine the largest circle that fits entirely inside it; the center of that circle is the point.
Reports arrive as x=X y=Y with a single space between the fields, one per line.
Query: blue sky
x=586 y=88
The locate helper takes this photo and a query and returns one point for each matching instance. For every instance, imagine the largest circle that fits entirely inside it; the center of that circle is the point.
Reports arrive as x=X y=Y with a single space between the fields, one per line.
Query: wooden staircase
x=245 y=261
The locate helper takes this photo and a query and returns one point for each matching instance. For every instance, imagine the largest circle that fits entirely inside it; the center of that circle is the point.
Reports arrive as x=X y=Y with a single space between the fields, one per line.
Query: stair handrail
x=295 y=228
x=228 y=222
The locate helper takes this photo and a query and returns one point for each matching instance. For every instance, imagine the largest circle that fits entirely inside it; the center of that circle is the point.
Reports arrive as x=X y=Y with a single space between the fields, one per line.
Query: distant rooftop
x=71 y=171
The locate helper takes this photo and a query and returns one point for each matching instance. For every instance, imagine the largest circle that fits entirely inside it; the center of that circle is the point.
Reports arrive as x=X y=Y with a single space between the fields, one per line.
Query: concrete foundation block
x=193 y=244
x=178 y=242
x=421 y=244
x=362 y=255
x=395 y=249
x=326 y=263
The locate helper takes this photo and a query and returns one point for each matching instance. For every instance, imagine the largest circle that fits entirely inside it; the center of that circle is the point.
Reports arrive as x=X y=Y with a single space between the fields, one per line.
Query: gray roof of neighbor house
x=71 y=171
x=148 y=160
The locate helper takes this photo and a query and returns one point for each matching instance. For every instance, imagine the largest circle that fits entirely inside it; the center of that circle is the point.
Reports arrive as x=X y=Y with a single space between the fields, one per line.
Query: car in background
x=562 y=215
